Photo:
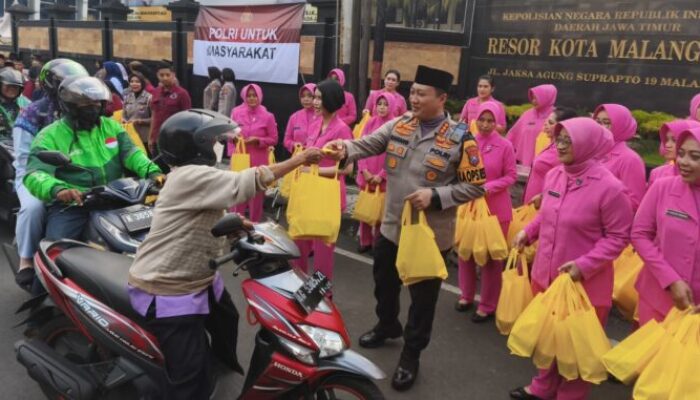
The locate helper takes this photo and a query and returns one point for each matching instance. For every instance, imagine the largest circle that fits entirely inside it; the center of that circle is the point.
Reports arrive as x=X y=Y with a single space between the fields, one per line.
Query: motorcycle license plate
x=310 y=294
x=137 y=220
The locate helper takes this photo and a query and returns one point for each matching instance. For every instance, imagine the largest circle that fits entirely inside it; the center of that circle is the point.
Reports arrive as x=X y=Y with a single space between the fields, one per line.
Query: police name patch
x=677 y=214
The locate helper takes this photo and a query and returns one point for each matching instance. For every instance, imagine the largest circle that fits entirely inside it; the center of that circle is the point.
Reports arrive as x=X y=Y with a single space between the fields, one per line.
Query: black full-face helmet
x=55 y=71
x=188 y=137
x=82 y=99
x=11 y=77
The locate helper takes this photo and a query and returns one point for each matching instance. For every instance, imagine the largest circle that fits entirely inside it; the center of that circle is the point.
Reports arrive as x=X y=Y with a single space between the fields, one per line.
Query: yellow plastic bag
x=526 y=331
x=360 y=126
x=240 y=159
x=657 y=380
x=418 y=255
x=271 y=160
x=315 y=207
x=522 y=216
x=516 y=292
x=286 y=185
x=687 y=385
x=460 y=222
x=542 y=142
x=627 y=268
x=564 y=349
x=626 y=360
x=369 y=206
x=496 y=241
x=588 y=338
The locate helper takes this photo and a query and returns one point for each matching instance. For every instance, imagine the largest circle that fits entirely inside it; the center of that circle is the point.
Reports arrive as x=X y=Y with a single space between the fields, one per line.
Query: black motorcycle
x=9 y=203
x=120 y=217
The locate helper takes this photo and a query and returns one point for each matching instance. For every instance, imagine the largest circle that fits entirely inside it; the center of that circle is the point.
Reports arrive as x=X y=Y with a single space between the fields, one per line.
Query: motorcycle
x=9 y=203
x=119 y=216
x=97 y=346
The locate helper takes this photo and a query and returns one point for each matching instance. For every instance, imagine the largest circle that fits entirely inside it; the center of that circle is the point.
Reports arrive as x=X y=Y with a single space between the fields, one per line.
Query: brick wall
x=307 y=55
x=142 y=45
x=33 y=37
x=407 y=56
x=79 y=41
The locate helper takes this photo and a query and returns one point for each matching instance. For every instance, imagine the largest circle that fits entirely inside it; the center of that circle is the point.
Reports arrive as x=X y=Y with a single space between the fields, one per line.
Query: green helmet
x=55 y=71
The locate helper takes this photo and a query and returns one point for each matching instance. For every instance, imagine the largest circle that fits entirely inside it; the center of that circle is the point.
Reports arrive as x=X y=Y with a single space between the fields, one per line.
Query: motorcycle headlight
x=330 y=343
x=302 y=353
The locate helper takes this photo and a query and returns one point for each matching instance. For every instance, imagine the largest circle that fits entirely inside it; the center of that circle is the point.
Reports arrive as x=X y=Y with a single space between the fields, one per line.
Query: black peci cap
x=436 y=78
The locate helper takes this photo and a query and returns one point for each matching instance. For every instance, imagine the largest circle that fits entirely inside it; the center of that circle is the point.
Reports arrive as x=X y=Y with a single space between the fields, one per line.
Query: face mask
x=88 y=117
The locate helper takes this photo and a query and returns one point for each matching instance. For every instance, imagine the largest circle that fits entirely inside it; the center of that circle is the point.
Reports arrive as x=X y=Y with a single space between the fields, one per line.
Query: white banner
x=259 y=43
x=257 y=62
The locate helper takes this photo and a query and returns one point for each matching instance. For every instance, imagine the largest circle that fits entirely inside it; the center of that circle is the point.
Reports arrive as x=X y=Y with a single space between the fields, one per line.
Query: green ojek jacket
x=106 y=150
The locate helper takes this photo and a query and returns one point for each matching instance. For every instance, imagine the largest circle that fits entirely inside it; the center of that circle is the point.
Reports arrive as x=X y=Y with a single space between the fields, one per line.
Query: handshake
x=334 y=150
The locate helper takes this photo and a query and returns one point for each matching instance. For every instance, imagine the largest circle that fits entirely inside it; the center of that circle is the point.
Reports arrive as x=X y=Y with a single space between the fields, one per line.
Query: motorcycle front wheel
x=347 y=387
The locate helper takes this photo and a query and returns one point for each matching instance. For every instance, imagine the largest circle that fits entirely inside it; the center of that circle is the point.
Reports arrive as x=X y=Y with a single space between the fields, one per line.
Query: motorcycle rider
x=95 y=143
x=30 y=220
x=11 y=99
x=170 y=283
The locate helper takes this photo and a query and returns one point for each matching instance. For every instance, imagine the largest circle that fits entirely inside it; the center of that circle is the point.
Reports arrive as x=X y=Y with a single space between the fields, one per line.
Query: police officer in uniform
x=432 y=162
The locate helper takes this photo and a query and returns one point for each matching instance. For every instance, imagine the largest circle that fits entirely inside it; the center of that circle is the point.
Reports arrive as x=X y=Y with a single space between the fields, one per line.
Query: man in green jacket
x=91 y=141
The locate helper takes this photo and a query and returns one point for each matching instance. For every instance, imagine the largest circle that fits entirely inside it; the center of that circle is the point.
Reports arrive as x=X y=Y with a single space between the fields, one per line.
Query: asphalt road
x=463 y=361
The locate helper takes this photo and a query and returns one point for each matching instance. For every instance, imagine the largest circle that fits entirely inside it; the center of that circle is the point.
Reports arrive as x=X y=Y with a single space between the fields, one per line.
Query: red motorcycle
x=91 y=344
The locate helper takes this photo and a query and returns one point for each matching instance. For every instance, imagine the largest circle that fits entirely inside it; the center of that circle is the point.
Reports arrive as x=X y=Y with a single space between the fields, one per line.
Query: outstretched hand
x=335 y=150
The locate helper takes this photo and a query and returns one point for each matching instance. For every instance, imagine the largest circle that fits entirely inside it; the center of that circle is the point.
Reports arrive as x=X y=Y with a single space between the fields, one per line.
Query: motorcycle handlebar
x=215 y=263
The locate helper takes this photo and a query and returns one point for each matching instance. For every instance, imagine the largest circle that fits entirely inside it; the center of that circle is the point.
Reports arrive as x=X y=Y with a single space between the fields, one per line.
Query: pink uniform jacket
x=336 y=129
x=694 y=105
x=622 y=161
x=299 y=123
x=544 y=162
x=470 y=111
x=399 y=101
x=348 y=112
x=582 y=218
x=524 y=133
x=499 y=162
x=255 y=122
x=375 y=164
x=666 y=233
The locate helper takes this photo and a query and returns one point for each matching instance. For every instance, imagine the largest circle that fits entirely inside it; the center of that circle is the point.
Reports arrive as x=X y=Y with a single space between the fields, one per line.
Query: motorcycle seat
x=102 y=274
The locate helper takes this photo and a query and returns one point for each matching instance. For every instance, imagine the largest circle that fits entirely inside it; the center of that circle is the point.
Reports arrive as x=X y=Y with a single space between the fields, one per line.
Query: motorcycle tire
x=66 y=339
x=344 y=386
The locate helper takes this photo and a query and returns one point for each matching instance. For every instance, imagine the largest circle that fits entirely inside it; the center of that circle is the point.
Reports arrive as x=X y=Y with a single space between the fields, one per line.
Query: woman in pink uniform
x=328 y=99
x=499 y=162
x=392 y=79
x=370 y=171
x=668 y=135
x=259 y=133
x=582 y=227
x=484 y=90
x=666 y=234
x=547 y=159
x=695 y=108
x=622 y=161
x=299 y=123
x=524 y=133
x=348 y=112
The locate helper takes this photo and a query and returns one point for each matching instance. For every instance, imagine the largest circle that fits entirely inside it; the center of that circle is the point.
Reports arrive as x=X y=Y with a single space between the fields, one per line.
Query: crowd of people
x=589 y=187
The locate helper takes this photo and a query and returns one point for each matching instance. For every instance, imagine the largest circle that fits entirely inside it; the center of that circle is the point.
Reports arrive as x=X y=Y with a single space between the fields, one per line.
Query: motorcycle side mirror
x=55 y=158
x=227 y=225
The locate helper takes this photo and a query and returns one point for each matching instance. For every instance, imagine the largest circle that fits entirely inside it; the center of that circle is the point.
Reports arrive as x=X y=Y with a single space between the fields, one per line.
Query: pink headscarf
x=494 y=108
x=245 y=113
x=546 y=96
x=694 y=105
x=589 y=140
x=376 y=121
x=311 y=87
x=673 y=129
x=622 y=124
x=340 y=74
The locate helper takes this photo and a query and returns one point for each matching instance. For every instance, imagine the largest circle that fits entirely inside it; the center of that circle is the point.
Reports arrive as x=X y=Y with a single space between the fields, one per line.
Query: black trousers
x=387 y=288
x=186 y=346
